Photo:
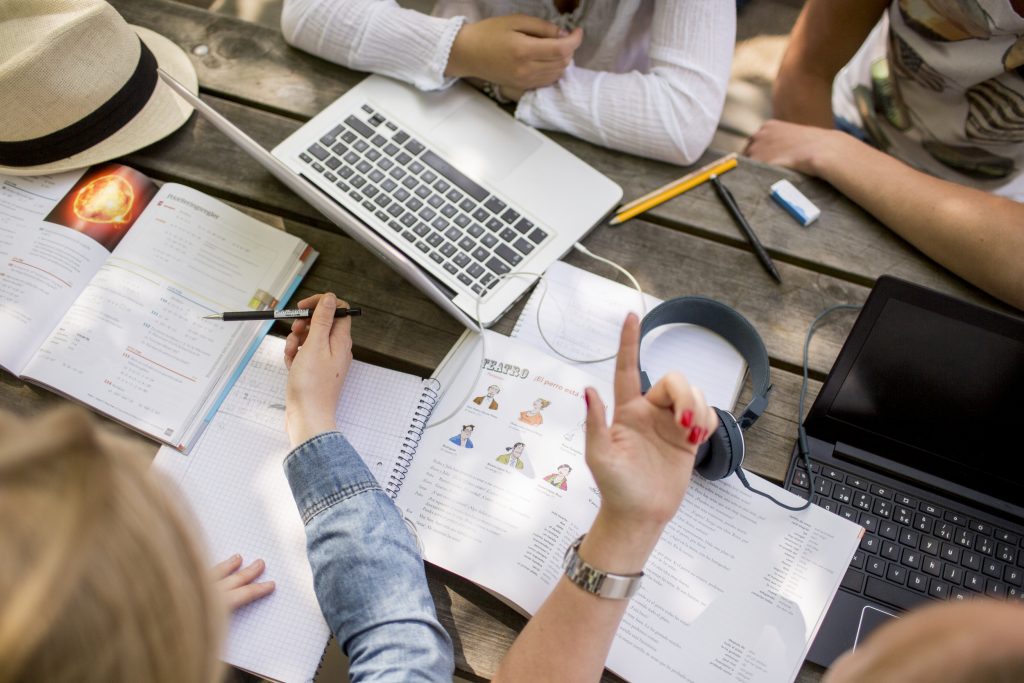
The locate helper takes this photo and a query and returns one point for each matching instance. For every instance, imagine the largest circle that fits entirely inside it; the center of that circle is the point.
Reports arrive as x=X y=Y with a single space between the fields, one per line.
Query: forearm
x=363 y=35
x=671 y=111
x=569 y=637
x=368 y=575
x=825 y=37
x=977 y=235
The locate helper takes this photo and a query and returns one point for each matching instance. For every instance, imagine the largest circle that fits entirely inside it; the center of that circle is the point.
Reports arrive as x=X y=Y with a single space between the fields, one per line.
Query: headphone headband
x=733 y=327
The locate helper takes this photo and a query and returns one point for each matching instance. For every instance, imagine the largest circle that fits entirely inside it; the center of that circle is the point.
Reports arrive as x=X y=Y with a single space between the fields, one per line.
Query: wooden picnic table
x=688 y=246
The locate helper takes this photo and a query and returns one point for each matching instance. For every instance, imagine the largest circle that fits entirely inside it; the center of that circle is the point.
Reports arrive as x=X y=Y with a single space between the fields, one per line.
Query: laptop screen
x=933 y=386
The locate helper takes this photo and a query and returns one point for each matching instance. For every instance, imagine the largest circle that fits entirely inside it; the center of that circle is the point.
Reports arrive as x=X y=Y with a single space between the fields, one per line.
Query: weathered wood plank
x=253 y=64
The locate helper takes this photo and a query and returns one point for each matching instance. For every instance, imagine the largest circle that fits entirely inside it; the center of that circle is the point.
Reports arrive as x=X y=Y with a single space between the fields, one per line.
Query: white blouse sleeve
x=374 y=35
x=668 y=113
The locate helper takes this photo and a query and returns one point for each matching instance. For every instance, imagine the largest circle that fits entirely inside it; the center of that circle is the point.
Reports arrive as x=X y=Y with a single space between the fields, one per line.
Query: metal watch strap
x=600 y=583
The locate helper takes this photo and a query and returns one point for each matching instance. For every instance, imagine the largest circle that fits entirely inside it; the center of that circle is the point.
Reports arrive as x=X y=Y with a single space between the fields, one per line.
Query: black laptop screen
x=940 y=395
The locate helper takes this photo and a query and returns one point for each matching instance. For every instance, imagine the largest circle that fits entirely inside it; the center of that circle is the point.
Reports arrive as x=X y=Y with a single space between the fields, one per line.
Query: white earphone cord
x=540 y=304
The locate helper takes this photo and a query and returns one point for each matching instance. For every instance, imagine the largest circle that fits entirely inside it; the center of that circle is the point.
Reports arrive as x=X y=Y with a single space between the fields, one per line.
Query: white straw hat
x=78 y=85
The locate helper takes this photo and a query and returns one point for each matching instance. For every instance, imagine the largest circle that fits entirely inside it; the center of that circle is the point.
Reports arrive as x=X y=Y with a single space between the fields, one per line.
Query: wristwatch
x=593 y=580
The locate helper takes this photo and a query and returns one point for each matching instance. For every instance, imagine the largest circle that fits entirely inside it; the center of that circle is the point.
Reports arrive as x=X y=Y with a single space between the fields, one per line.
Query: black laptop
x=916 y=435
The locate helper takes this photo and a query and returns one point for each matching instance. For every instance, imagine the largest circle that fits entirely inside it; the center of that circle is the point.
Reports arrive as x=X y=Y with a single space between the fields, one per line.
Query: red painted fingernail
x=586 y=399
x=695 y=435
x=687 y=419
x=704 y=435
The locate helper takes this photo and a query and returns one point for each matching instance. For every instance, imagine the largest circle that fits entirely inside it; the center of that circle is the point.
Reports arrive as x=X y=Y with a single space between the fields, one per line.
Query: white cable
x=540 y=279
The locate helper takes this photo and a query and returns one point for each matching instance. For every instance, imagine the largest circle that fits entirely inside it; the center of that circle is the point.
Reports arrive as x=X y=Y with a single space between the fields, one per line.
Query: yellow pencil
x=675 y=188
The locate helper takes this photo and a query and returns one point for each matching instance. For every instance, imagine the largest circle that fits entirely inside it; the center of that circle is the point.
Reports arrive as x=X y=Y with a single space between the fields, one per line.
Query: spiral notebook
x=234 y=482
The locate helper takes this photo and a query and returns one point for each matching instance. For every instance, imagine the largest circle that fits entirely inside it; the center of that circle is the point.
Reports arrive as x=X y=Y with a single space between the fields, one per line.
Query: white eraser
x=794 y=201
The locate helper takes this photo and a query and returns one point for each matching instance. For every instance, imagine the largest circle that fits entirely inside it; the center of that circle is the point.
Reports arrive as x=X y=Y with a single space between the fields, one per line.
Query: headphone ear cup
x=722 y=453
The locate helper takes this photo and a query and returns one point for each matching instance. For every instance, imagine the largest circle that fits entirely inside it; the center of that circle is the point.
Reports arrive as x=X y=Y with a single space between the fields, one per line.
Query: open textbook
x=104 y=282
x=735 y=590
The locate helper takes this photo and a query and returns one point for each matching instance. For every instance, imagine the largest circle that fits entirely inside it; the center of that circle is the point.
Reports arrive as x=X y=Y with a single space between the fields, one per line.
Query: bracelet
x=596 y=582
x=493 y=90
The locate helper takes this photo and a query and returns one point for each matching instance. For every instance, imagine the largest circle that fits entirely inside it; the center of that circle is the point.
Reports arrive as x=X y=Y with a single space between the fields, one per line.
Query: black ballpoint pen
x=285 y=314
x=734 y=209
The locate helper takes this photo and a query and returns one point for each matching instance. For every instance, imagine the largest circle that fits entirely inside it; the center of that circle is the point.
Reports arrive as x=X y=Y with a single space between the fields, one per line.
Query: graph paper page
x=581 y=316
x=235 y=484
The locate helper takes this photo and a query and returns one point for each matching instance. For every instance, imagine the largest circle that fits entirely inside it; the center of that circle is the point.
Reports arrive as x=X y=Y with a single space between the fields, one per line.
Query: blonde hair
x=100 y=576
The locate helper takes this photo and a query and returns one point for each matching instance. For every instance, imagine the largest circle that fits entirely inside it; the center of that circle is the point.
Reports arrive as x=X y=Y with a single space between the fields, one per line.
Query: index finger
x=627 y=369
x=341 y=332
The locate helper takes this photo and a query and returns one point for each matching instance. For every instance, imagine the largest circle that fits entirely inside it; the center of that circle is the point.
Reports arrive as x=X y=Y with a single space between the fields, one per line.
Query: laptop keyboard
x=432 y=210
x=913 y=549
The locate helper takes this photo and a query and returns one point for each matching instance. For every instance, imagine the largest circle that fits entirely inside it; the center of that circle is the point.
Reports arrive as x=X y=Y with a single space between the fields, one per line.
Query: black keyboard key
x=843 y=494
x=875 y=565
x=931 y=565
x=911 y=558
x=856 y=482
x=448 y=250
x=403 y=158
x=361 y=145
x=494 y=205
x=950 y=553
x=440 y=223
x=449 y=210
x=397 y=173
x=857 y=560
x=964 y=537
x=370 y=191
x=896 y=574
x=980 y=527
x=924 y=523
x=984 y=545
x=1006 y=553
x=359 y=127
x=475 y=270
x=454 y=196
x=421 y=229
x=847 y=512
x=1013 y=575
x=938 y=589
x=463 y=221
x=955 y=517
x=853 y=580
x=903 y=515
x=373 y=155
x=862 y=500
x=461 y=260
x=869 y=543
x=993 y=568
x=958 y=595
x=400 y=137
x=414 y=204
x=359 y=181
x=467 y=205
x=454 y=175
x=453 y=234
x=382 y=200
x=435 y=240
x=363 y=167
x=426 y=213
x=441 y=186
x=524 y=226
x=475 y=230
x=1007 y=536
x=332 y=135
x=391 y=149
x=888 y=530
x=995 y=589
x=823 y=486
x=510 y=216
x=435 y=201
x=466 y=244
x=481 y=215
x=917 y=581
x=395 y=209
x=952 y=573
x=971 y=561
x=903 y=499
x=944 y=530
x=930 y=509
x=974 y=581
x=494 y=225
x=385 y=164
x=348 y=136
x=339 y=149
x=333 y=163
x=409 y=220
x=400 y=193
x=379 y=141
x=833 y=474
x=893 y=595
x=869 y=522
x=537 y=236
x=319 y=152
x=509 y=235
x=890 y=551
x=376 y=176
x=415 y=147
x=930 y=545
x=428 y=177
x=909 y=537
x=489 y=241
x=506 y=253
x=523 y=246
x=480 y=254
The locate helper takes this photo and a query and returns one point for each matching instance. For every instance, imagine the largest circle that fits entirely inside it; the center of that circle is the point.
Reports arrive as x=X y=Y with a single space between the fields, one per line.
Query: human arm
x=977 y=235
x=363 y=35
x=367 y=572
x=642 y=465
x=669 y=112
x=825 y=37
x=952 y=642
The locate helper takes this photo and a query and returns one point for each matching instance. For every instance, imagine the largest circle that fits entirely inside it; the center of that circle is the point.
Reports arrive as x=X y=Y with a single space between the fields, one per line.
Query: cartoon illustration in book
x=462 y=438
x=560 y=479
x=487 y=400
x=580 y=428
x=514 y=458
x=533 y=416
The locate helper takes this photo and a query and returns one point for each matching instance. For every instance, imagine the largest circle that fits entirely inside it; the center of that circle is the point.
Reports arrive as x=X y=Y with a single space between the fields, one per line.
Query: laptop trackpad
x=483 y=141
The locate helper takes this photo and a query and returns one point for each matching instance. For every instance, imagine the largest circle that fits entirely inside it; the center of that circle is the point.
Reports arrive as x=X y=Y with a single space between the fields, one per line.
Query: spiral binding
x=411 y=441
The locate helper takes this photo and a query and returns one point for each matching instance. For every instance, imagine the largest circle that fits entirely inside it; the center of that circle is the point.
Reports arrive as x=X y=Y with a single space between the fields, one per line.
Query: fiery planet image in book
x=108 y=199
x=104 y=203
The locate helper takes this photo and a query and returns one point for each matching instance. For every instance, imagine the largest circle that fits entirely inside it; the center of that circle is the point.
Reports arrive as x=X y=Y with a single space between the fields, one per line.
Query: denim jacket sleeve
x=367 y=572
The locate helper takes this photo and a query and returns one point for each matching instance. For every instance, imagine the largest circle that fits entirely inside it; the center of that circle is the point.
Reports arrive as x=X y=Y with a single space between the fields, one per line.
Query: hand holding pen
x=283 y=314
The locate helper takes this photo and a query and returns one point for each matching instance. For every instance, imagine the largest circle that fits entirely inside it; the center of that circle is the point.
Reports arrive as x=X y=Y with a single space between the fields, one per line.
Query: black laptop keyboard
x=436 y=210
x=914 y=549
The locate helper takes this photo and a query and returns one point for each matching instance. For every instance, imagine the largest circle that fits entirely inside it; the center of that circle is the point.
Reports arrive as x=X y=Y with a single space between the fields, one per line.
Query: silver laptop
x=444 y=186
